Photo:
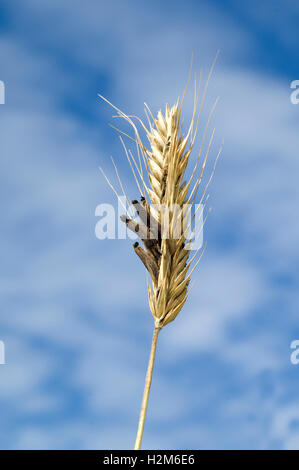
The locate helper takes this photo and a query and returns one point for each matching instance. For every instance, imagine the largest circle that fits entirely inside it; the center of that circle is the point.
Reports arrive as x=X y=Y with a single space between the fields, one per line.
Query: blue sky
x=74 y=314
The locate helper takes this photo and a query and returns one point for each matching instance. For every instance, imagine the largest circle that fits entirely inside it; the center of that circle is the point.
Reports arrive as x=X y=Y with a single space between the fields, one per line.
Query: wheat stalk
x=166 y=253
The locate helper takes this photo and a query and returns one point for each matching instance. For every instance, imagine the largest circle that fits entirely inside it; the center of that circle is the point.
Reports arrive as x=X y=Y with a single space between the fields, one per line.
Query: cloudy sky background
x=74 y=314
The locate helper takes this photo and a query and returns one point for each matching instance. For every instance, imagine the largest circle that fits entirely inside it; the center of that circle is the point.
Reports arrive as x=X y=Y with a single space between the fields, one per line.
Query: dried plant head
x=167 y=195
x=162 y=212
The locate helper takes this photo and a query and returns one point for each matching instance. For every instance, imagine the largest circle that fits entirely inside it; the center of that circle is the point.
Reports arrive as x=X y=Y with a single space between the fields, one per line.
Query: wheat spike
x=167 y=161
x=164 y=211
x=166 y=258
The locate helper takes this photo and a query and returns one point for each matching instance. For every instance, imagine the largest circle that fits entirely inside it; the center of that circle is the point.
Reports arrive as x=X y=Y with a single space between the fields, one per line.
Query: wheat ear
x=166 y=258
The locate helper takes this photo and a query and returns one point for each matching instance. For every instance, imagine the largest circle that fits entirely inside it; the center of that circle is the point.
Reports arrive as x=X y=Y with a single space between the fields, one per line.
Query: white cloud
x=226 y=289
x=282 y=425
x=87 y=297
